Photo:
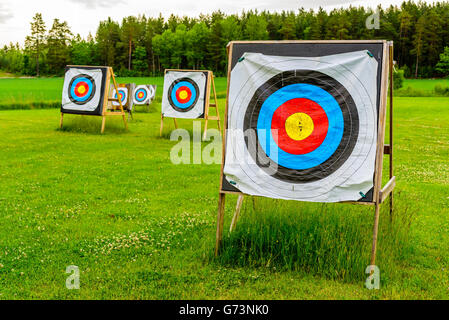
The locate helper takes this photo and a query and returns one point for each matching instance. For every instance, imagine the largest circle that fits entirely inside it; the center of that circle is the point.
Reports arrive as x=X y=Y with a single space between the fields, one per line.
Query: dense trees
x=146 y=46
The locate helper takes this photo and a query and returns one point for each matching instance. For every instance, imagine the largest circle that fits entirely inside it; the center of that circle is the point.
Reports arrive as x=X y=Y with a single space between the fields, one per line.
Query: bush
x=441 y=90
x=398 y=79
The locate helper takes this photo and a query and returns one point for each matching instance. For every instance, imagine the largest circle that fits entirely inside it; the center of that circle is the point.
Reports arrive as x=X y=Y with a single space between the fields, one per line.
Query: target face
x=122 y=95
x=143 y=94
x=309 y=127
x=83 y=90
x=184 y=94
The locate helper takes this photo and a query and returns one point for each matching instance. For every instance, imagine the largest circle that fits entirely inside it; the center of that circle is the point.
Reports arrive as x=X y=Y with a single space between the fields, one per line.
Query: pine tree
x=36 y=41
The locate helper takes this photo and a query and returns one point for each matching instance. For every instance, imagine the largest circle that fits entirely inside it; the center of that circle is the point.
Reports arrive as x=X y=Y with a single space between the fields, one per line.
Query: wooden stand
x=107 y=103
x=380 y=194
x=207 y=117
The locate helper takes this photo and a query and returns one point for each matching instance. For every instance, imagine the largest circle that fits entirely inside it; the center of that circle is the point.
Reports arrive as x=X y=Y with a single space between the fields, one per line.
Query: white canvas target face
x=82 y=90
x=302 y=128
x=184 y=94
x=122 y=95
x=143 y=94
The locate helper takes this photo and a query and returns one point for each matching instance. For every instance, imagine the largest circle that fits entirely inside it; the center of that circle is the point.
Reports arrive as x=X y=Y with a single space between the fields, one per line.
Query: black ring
x=193 y=83
x=91 y=95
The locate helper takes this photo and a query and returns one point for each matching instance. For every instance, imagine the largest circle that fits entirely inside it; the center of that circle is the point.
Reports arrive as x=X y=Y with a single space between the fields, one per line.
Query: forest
x=143 y=46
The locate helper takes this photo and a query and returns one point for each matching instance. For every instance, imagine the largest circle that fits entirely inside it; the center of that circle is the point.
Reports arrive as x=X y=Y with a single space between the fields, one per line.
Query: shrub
x=441 y=90
x=398 y=79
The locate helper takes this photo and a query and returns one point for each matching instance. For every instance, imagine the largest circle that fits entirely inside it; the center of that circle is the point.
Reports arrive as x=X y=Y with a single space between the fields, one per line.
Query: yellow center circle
x=82 y=89
x=299 y=126
x=183 y=95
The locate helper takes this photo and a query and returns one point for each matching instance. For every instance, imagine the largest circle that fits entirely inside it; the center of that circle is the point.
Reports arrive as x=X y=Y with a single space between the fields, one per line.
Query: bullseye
x=299 y=126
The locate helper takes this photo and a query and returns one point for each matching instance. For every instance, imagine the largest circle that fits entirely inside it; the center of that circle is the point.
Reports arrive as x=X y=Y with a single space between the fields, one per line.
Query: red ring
x=313 y=110
x=84 y=84
x=189 y=94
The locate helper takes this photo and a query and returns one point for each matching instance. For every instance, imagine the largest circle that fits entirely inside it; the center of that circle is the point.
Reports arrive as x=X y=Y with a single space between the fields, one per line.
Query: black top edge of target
x=99 y=110
x=310 y=49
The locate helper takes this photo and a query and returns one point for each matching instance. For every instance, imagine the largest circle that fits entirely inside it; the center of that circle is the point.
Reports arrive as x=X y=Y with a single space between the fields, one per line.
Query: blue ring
x=188 y=104
x=72 y=89
x=334 y=133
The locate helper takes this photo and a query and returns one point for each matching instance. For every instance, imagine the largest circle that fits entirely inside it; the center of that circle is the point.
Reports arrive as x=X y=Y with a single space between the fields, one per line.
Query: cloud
x=92 y=4
x=5 y=13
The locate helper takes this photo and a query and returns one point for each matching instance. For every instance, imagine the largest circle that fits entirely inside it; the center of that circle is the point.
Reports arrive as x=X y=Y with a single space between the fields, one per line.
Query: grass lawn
x=140 y=227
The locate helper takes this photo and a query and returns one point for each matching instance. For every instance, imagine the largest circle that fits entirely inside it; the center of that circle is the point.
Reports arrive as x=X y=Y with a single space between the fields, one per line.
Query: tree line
x=141 y=46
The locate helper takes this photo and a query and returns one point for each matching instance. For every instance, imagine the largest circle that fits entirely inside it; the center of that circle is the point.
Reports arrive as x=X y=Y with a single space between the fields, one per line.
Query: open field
x=46 y=92
x=140 y=227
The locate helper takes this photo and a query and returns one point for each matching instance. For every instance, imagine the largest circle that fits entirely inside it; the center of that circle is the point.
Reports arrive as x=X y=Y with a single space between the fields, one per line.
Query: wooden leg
x=236 y=216
x=124 y=121
x=254 y=203
x=61 y=121
x=162 y=125
x=205 y=130
x=176 y=123
x=103 y=122
x=376 y=227
x=220 y=220
x=219 y=125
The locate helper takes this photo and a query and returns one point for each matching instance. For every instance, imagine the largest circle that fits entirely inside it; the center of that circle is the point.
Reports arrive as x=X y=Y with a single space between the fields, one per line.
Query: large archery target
x=82 y=89
x=122 y=95
x=184 y=94
x=310 y=124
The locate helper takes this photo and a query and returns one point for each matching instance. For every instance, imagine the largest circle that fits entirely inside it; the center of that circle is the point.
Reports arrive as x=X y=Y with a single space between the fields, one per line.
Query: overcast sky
x=84 y=16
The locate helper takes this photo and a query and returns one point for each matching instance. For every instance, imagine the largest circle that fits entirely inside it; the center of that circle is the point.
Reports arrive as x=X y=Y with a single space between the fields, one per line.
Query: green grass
x=423 y=88
x=140 y=227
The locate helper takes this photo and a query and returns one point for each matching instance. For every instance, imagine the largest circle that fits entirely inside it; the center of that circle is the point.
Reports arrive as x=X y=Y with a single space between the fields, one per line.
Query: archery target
x=82 y=89
x=303 y=128
x=122 y=95
x=184 y=94
x=143 y=94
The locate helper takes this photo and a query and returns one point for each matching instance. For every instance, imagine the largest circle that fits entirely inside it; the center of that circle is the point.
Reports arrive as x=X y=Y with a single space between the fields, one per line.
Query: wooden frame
x=106 y=100
x=129 y=106
x=210 y=85
x=380 y=194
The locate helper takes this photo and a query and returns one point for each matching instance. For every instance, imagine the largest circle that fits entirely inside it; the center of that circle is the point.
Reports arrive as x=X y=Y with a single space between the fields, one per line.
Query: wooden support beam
x=389 y=187
x=220 y=221
x=236 y=216
x=387 y=149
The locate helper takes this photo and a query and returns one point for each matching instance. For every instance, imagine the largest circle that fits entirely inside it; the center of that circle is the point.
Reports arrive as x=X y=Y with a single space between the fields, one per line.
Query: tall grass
x=333 y=241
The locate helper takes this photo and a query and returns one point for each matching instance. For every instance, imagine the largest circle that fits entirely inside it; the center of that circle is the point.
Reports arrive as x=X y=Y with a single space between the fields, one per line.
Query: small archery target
x=143 y=94
x=309 y=127
x=184 y=94
x=82 y=89
x=152 y=90
x=122 y=95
